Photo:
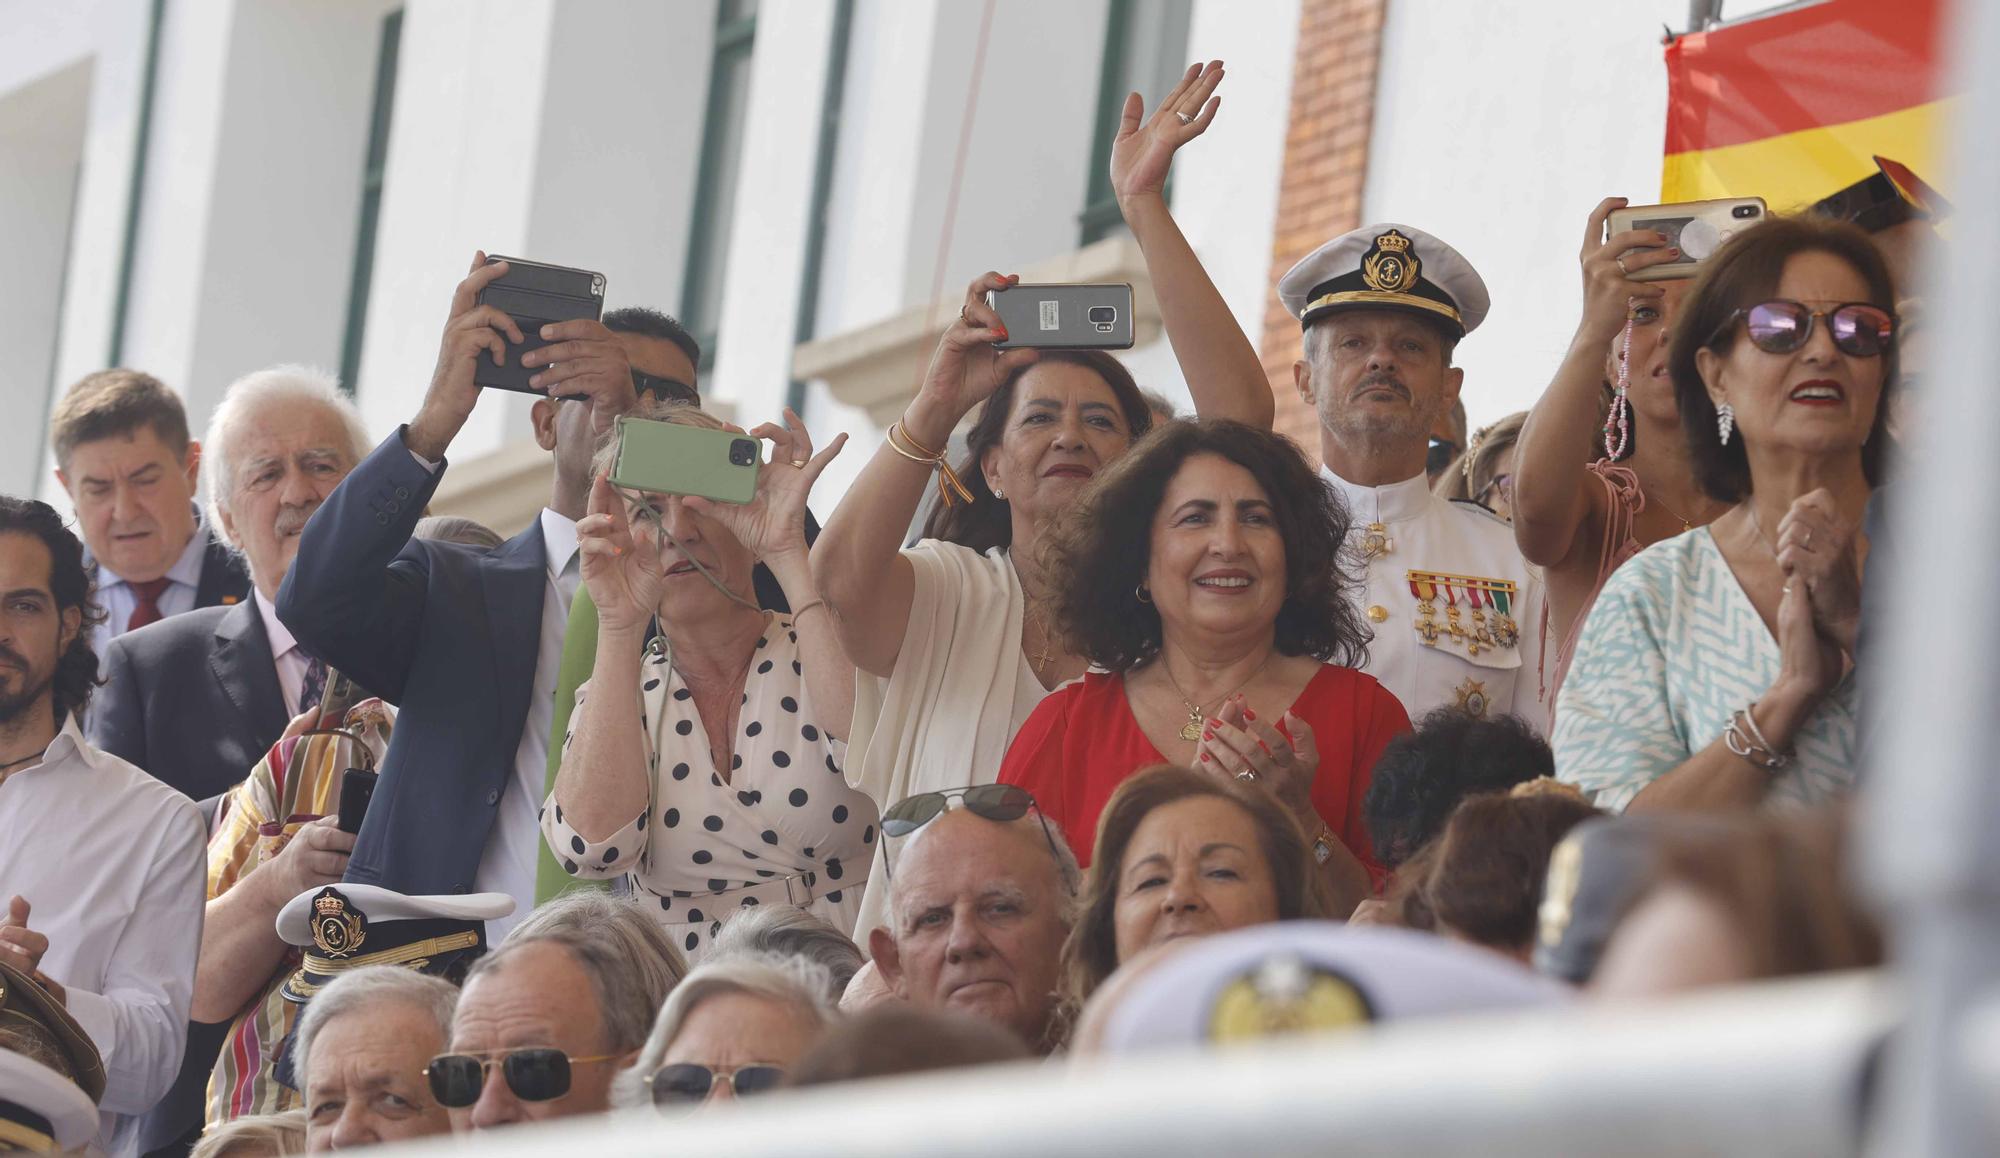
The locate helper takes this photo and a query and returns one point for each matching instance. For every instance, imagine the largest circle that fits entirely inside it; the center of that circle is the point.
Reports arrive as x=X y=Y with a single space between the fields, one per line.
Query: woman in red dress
x=1202 y=575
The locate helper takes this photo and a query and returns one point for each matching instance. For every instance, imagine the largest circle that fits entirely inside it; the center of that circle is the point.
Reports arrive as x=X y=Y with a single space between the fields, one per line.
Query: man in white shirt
x=1456 y=610
x=102 y=865
x=195 y=699
x=124 y=456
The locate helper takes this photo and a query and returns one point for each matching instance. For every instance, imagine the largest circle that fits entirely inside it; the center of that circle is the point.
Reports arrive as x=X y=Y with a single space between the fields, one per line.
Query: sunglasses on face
x=1781 y=326
x=538 y=1074
x=685 y=1083
x=665 y=389
x=997 y=802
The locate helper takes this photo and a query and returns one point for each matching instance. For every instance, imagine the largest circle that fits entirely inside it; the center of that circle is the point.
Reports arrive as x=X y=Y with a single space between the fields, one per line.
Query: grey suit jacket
x=193 y=699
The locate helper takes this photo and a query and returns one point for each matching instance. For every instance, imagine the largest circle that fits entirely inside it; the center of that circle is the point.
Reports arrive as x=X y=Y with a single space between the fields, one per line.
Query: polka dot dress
x=783 y=827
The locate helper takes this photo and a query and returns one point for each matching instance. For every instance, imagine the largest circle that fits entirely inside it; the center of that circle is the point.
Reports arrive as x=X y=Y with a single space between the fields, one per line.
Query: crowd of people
x=1162 y=731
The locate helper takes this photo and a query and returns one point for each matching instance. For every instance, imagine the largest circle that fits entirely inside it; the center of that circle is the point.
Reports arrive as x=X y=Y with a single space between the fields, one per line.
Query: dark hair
x=1744 y=272
x=1485 y=878
x=1422 y=775
x=69 y=582
x=654 y=324
x=1090 y=953
x=984 y=523
x=1098 y=550
x=118 y=403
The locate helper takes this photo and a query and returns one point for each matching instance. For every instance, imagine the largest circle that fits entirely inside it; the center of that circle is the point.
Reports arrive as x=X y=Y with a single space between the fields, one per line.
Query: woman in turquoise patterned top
x=1714 y=671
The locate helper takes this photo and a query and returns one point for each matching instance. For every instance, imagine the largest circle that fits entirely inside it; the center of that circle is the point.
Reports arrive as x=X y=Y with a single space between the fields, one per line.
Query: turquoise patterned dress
x=1671 y=649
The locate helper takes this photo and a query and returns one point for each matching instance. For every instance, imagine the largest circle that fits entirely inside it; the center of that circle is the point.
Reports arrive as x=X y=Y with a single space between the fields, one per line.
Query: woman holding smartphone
x=704 y=766
x=1591 y=491
x=1712 y=673
x=951 y=643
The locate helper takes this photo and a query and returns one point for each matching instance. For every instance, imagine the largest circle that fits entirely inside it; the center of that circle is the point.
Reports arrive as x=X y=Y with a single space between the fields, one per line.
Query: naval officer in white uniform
x=1457 y=611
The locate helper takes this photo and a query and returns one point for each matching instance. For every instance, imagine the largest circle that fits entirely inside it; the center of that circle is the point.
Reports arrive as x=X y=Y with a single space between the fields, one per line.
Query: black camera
x=743 y=452
x=1102 y=318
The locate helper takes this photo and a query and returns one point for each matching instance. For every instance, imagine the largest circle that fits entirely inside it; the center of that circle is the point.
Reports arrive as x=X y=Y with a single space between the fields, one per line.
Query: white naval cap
x=41 y=1110
x=1387 y=266
x=379 y=905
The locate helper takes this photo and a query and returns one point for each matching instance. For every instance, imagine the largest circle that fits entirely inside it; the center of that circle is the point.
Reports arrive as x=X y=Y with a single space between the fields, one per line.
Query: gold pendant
x=1191 y=731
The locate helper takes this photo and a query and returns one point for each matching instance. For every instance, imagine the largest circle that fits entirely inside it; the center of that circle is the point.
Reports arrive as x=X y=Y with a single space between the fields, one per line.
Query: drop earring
x=1725 y=422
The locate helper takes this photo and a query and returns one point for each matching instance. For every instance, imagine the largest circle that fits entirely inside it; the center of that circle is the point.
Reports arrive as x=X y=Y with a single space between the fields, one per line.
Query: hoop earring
x=1141 y=594
x=1725 y=421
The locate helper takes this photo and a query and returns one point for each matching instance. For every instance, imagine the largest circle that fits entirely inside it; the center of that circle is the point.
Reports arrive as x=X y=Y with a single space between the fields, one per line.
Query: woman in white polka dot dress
x=705 y=768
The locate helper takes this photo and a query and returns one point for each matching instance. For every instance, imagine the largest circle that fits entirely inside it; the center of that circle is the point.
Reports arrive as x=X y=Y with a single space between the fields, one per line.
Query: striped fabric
x=296 y=782
x=1793 y=106
x=1671 y=649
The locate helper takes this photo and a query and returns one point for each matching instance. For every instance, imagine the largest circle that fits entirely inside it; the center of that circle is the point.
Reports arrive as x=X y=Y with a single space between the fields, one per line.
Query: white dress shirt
x=508 y=864
x=286 y=654
x=112 y=863
x=118 y=599
x=1437 y=539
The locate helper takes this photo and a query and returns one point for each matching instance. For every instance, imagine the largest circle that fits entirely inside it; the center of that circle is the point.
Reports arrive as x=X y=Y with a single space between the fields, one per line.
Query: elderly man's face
x=365 y=1078
x=979 y=910
x=134 y=498
x=538 y=996
x=287 y=460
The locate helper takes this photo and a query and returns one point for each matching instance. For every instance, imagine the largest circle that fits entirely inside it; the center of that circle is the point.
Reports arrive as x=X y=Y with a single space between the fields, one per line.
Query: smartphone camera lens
x=1103 y=314
x=742 y=452
x=1743 y=211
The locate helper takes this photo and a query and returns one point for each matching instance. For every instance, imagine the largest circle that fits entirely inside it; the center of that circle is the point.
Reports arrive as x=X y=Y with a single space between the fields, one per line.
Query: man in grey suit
x=196 y=698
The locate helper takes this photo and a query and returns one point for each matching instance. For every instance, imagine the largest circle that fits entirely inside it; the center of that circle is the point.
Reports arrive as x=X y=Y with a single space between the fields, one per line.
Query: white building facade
x=200 y=188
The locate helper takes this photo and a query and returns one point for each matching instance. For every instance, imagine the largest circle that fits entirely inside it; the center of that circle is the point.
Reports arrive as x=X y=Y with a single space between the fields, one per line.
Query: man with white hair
x=361 y=1049
x=981 y=898
x=194 y=699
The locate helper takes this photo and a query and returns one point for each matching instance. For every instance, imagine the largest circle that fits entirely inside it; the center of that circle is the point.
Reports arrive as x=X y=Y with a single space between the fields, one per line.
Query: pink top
x=1623 y=502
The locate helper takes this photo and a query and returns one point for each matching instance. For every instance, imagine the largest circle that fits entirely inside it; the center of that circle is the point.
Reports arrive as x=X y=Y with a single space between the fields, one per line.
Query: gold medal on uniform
x=1480 y=631
x=1375 y=542
x=1472 y=698
x=1425 y=589
x=1457 y=629
x=1505 y=632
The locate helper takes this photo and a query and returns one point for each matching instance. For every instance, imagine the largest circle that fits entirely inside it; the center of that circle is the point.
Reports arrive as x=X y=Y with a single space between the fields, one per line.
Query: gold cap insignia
x=337 y=930
x=1286 y=995
x=1390 y=265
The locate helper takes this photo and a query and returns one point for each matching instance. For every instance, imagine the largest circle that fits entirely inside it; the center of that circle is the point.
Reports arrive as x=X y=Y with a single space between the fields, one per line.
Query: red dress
x=1083 y=741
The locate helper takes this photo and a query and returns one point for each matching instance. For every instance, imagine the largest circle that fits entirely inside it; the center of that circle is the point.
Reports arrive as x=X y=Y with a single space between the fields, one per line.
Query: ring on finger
x=1247 y=776
x=798 y=464
x=1807 y=541
x=1620 y=262
x=1185 y=119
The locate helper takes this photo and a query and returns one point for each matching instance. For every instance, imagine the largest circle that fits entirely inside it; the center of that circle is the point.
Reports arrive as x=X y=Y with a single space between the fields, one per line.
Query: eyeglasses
x=685 y=1083
x=1781 y=326
x=665 y=389
x=1503 y=484
x=538 y=1074
x=998 y=802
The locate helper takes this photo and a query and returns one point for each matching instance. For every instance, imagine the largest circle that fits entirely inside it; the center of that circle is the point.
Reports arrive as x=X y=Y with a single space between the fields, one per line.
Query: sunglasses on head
x=537 y=1074
x=665 y=389
x=997 y=802
x=1781 y=326
x=685 y=1083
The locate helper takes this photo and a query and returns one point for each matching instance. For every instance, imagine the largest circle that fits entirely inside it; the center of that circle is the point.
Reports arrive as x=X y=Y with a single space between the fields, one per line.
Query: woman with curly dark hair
x=1202 y=574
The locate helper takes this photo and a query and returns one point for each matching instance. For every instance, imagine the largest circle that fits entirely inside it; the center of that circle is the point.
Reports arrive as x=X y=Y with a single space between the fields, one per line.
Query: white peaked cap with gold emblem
x=347 y=926
x=380 y=905
x=41 y=1111
x=1387 y=266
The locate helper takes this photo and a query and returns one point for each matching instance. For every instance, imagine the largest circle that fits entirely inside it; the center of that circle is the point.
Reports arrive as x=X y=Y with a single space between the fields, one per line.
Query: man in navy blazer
x=466 y=642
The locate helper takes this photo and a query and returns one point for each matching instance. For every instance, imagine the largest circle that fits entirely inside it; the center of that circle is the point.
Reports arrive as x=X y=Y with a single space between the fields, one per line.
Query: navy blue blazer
x=450 y=634
x=193 y=698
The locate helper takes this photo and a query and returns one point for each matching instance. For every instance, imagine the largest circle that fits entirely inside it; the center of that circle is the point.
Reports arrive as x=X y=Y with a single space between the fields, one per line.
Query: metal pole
x=1929 y=854
x=1702 y=13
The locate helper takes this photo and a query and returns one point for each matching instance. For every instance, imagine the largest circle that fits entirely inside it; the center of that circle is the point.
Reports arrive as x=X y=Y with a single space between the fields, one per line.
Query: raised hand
x=21 y=946
x=1608 y=263
x=1817 y=546
x=584 y=358
x=1141 y=154
x=774 y=522
x=1235 y=741
x=622 y=574
x=966 y=369
x=472 y=331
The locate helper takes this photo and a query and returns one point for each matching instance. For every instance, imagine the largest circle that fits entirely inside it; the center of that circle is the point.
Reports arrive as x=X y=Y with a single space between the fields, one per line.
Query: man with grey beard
x=1456 y=610
x=196 y=698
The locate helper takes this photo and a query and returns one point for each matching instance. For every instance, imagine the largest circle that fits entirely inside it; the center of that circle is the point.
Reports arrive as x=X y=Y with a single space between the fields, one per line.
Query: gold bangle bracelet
x=948 y=483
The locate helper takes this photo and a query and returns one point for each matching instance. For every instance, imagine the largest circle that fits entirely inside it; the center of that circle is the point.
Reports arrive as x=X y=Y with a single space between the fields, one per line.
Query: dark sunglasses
x=538 y=1074
x=665 y=389
x=1781 y=326
x=685 y=1083
x=998 y=802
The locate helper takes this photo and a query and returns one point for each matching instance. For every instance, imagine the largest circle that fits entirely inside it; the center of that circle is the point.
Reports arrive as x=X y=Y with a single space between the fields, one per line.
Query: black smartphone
x=357 y=785
x=534 y=294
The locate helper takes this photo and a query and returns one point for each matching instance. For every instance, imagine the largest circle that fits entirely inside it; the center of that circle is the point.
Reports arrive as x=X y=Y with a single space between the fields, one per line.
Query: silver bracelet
x=1752 y=746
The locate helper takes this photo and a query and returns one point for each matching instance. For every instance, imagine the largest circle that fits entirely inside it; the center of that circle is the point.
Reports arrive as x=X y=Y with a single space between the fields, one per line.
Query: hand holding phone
x=534 y=295
x=357 y=787
x=1696 y=228
x=1064 y=317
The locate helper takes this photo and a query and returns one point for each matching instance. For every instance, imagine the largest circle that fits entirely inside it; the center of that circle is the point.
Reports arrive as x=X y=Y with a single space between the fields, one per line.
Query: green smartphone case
x=667 y=458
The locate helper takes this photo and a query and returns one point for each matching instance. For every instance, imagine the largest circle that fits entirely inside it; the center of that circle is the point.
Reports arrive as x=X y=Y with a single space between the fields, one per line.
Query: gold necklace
x=1686 y=524
x=1191 y=731
x=1042 y=659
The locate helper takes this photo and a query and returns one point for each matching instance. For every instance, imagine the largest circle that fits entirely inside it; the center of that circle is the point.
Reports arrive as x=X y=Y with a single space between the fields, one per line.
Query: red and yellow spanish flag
x=1793 y=106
